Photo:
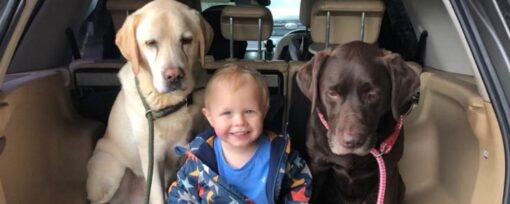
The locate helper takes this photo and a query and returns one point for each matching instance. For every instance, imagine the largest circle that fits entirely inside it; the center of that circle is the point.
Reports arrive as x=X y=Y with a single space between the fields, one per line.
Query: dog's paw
x=101 y=193
x=104 y=177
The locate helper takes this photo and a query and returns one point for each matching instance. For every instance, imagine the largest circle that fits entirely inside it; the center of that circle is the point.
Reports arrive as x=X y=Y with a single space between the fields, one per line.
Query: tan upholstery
x=415 y=67
x=48 y=143
x=2 y=194
x=120 y=9
x=453 y=147
x=246 y=22
x=346 y=21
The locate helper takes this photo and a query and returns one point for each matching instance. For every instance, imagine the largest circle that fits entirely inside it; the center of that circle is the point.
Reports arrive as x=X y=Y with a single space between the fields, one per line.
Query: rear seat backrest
x=245 y=23
x=349 y=20
x=120 y=9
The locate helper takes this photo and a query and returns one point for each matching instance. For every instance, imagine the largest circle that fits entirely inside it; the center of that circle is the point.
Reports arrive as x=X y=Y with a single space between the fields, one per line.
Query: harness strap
x=155 y=114
x=152 y=115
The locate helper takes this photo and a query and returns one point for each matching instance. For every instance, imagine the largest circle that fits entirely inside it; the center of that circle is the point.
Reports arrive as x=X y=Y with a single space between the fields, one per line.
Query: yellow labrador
x=163 y=42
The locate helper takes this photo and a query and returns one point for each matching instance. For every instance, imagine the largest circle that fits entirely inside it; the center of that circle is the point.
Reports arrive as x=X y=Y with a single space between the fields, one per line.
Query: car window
x=7 y=10
x=285 y=16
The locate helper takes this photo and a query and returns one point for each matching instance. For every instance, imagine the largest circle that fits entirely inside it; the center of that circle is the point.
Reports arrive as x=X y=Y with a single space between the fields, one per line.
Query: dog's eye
x=372 y=96
x=333 y=94
x=186 y=37
x=151 y=43
x=186 y=40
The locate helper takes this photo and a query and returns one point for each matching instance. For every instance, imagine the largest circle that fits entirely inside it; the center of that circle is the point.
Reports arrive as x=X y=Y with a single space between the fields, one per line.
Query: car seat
x=218 y=48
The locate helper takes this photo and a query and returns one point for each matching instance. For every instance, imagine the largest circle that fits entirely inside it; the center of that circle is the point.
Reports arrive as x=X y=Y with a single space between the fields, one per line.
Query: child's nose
x=239 y=120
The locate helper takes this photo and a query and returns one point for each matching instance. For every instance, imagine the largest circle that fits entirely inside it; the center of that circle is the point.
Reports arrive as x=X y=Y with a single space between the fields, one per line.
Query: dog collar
x=155 y=114
x=387 y=144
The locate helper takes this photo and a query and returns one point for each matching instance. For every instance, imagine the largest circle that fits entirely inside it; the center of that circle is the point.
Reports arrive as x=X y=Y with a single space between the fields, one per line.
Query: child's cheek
x=221 y=130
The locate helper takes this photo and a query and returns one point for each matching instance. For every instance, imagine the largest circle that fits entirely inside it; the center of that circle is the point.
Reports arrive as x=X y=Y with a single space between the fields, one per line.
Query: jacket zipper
x=235 y=194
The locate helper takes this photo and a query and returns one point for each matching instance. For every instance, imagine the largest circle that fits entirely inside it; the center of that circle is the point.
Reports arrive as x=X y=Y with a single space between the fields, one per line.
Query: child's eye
x=226 y=113
x=249 y=111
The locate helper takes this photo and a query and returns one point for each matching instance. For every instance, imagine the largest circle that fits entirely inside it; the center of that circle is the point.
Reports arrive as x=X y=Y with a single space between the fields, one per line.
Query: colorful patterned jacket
x=289 y=179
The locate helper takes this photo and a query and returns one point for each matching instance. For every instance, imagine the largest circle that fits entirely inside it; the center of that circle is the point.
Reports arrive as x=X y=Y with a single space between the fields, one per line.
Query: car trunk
x=453 y=152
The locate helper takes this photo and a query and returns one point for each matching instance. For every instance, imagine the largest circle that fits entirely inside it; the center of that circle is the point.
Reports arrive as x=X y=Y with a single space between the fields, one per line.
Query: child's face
x=236 y=115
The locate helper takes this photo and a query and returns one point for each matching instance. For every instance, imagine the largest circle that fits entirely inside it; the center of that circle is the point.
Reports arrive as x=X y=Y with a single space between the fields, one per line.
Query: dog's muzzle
x=173 y=79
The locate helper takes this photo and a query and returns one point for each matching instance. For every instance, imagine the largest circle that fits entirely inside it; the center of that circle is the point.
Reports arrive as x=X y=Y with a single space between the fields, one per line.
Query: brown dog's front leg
x=318 y=182
x=319 y=179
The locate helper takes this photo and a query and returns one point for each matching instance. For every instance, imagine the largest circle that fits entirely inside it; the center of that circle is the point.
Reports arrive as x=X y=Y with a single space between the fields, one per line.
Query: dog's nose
x=350 y=141
x=173 y=74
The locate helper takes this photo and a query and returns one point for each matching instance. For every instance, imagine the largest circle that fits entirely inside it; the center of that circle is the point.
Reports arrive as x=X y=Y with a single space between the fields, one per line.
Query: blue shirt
x=251 y=178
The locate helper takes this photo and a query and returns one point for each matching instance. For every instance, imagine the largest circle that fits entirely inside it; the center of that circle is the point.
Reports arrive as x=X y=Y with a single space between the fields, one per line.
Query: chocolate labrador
x=358 y=93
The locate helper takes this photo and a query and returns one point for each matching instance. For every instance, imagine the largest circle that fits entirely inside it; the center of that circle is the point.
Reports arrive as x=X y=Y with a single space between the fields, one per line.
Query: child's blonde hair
x=235 y=75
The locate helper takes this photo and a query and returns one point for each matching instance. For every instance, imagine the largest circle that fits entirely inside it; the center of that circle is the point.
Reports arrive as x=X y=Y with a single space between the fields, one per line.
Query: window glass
x=285 y=16
x=7 y=9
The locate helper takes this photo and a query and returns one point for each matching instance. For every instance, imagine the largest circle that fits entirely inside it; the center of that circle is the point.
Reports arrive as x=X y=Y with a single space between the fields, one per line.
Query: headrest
x=346 y=20
x=304 y=12
x=245 y=21
x=120 y=9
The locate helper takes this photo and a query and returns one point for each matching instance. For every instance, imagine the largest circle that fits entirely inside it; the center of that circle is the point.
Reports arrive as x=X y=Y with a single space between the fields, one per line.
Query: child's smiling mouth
x=241 y=134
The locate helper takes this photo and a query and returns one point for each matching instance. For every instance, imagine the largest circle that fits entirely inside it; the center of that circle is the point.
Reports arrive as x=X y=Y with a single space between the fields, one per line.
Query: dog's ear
x=126 y=41
x=206 y=35
x=307 y=76
x=405 y=83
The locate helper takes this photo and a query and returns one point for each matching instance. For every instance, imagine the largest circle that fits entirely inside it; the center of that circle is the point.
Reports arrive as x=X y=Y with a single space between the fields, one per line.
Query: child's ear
x=208 y=116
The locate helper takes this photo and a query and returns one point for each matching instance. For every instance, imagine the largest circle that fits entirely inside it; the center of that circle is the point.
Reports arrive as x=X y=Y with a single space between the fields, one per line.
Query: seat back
x=120 y=9
x=218 y=50
x=246 y=23
x=349 y=20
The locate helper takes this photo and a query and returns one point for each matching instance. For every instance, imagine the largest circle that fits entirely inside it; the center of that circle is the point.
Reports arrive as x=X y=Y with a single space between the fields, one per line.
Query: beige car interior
x=337 y=22
x=47 y=143
x=454 y=152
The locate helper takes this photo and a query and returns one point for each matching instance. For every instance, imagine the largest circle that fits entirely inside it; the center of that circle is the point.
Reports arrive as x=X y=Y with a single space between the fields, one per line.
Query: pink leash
x=382 y=175
x=384 y=148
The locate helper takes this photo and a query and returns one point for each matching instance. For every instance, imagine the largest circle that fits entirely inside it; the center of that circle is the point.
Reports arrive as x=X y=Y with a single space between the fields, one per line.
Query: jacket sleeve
x=297 y=185
x=185 y=188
